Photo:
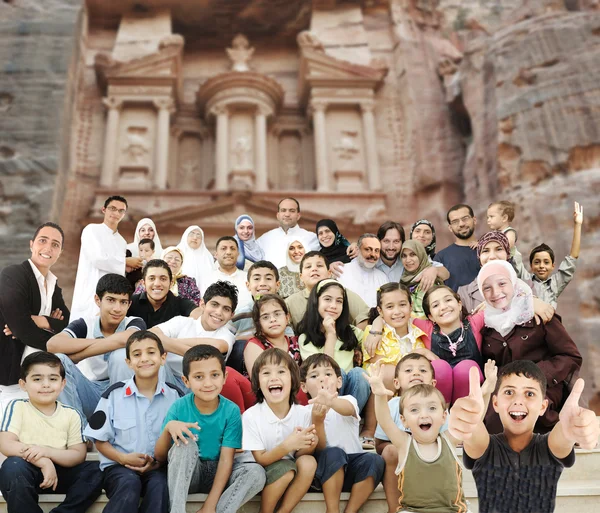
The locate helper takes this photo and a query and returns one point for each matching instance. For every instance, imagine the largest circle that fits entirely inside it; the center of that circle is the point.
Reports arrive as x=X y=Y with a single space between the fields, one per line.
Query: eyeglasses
x=276 y=315
x=464 y=219
x=115 y=209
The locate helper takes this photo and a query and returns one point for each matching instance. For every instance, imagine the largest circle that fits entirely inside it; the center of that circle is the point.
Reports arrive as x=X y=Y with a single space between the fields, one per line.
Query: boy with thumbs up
x=518 y=470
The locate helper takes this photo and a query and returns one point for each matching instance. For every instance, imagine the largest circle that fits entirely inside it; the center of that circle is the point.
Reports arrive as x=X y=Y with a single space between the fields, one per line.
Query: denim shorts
x=358 y=467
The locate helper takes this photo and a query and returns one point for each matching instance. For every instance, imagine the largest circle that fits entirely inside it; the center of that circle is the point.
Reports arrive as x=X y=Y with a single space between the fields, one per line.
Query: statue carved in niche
x=347 y=149
x=240 y=53
x=242 y=150
x=136 y=147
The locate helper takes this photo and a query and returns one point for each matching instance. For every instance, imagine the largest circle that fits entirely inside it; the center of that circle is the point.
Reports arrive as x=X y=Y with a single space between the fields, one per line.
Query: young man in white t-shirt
x=90 y=347
x=342 y=465
x=180 y=333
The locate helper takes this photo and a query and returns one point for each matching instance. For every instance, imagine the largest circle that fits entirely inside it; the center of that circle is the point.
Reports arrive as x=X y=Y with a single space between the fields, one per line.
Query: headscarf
x=291 y=265
x=180 y=274
x=249 y=249
x=337 y=251
x=134 y=246
x=430 y=248
x=494 y=236
x=408 y=277
x=520 y=309
x=197 y=263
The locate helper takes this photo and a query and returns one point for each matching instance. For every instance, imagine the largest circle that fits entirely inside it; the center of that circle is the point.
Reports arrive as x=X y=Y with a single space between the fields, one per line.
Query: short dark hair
x=538 y=249
x=199 y=353
x=425 y=302
x=312 y=254
x=391 y=225
x=275 y=356
x=41 y=358
x=143 y=335
x=507 y=208
x=222 y=289
x=113 y=284
x=157 y=262
x=115 y=198
x=258 y=332
x=50 y=224
x=229 y=238
x=318 y=360
x=147 y=241
x=458 y=207
x=525 y=368
x=384 y=289
x=288 y=198
x=413 y=356
x=263 y=264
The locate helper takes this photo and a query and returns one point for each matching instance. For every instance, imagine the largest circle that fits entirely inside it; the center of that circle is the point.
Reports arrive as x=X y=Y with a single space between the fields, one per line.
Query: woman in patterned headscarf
x=424 y=232
x=333 y=244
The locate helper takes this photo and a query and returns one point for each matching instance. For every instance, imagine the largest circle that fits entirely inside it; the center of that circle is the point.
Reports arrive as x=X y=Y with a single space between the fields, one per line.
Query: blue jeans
x=20 y=486
x=124 y=488
x=354 y=384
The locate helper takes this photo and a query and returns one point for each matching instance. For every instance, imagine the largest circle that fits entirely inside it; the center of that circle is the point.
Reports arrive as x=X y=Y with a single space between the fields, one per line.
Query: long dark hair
x=258 y=332
x=384 y=289
x=312 y=322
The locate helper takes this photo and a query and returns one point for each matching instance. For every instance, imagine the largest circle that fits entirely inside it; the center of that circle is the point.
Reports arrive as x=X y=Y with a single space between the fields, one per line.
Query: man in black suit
x=32 y=308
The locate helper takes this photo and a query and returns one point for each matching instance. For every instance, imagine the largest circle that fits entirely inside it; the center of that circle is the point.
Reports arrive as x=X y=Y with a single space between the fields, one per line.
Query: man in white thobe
x=275 y=242
x=102 y=252
x=226 y=270
x=361 y=276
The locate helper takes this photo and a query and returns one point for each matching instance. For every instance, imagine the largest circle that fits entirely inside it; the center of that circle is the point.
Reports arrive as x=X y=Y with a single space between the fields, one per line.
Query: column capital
x=164 y=104
x=263 y=110
x=318 y=105
x=219 y=110
x=112 y=103
x=367 y=106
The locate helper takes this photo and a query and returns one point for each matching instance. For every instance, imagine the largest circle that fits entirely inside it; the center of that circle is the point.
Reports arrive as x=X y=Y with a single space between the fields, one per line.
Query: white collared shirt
x=362 y=281
x=275 y=242
x=239 y=279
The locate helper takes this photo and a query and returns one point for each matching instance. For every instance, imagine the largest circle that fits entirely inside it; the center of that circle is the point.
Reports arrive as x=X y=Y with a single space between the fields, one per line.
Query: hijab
x=174 y=286
x=290 y=264
x=494 y=236
x=249 y=249
x=337 y=251
x=408 y=277
x=430 y=248
x=520 y=309
x=134 y=246
x=197 y=263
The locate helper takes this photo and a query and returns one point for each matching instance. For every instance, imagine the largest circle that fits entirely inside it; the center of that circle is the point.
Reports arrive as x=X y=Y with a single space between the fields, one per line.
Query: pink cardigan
x=477 y=324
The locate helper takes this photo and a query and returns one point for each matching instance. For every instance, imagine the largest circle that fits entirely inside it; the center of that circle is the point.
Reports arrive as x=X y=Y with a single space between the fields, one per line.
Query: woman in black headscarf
x=333 y=244
x=424 y=232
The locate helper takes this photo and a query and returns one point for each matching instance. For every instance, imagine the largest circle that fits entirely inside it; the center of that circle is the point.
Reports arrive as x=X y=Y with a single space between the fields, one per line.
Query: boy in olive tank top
x=423 y=451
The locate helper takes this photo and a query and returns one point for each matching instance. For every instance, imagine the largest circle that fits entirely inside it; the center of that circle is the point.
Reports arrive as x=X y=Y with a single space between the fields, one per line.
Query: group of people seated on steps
x=290 y=363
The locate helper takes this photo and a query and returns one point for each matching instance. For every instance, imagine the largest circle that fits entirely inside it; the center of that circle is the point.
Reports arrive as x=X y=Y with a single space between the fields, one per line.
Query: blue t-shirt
x=462 y=264
x=222 y=428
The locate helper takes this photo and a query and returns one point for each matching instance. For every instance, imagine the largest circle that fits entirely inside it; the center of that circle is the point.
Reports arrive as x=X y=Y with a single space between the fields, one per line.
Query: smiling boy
x=519 y=470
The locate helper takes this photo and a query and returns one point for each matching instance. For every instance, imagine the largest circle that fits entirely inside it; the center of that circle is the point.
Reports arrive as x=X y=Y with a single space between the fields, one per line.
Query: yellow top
x=392 y=348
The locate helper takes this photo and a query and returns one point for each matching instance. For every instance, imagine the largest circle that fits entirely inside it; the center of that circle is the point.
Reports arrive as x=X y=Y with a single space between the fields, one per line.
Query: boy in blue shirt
x=206 y=466
x=125 y=427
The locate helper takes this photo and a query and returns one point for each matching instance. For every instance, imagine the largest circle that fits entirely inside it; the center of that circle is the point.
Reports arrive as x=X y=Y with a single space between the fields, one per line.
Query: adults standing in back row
x=460 y=258
x=102 y=252
x=275 y=242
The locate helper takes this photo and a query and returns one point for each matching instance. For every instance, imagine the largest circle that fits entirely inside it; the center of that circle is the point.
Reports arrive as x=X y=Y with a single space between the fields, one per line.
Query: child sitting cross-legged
x=429 y=475
x=278 y=432
x=202 y=460
x=126 y=426
x=342 y=465
x=44 y=445
x=519 y=470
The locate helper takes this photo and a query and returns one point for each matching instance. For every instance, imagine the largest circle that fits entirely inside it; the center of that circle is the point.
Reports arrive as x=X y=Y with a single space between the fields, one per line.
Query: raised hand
x=578 y=214
x=180 y=431
x=324 y=397
x=579 y=425
x=319 y=412
x=467 y=411
x=490 y=372
x=375 y=379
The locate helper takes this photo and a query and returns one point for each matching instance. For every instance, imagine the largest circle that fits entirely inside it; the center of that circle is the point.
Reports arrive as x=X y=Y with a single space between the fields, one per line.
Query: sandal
x=368 y=443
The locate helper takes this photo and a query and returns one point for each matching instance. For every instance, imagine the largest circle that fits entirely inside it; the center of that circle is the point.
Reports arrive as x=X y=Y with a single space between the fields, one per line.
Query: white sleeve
x=172 y=327
x=251 y=439
x=96 y=253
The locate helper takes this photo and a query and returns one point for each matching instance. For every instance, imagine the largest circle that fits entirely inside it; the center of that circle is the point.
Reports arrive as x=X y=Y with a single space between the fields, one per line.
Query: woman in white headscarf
x=289 y=276
x=145 y=229
x=198 y=261
x=245 y=235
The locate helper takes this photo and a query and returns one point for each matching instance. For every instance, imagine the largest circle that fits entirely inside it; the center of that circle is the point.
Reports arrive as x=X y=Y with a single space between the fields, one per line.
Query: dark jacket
x=19 y=300
x=551 y=348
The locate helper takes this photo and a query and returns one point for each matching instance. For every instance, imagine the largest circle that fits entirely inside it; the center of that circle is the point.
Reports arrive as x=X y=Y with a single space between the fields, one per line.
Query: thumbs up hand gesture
x=579 y=425
x=467 y=412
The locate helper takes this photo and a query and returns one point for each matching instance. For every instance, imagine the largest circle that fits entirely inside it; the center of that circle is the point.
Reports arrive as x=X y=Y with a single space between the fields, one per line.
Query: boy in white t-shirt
x=342 y=465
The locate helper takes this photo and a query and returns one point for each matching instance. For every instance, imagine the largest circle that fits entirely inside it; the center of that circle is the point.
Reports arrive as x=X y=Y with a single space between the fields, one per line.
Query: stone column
x=165 y=108
x=114 y=105
x=222 y=169
x=318 y=107
x=260 y=155
x=368 y=123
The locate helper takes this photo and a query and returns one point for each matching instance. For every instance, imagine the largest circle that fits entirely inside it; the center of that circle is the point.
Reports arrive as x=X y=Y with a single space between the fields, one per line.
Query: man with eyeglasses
x=274 y=243
x=102 y=252
x=459 y=258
